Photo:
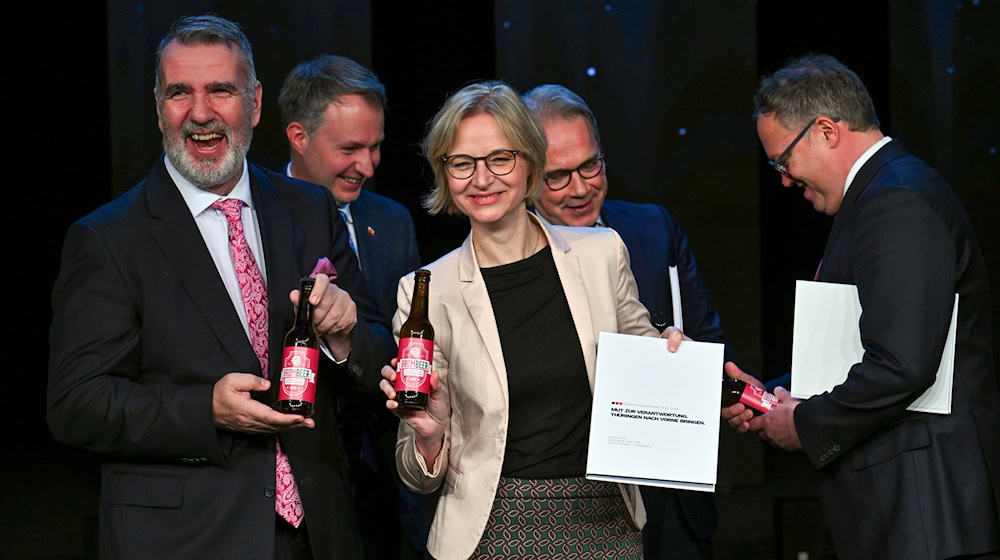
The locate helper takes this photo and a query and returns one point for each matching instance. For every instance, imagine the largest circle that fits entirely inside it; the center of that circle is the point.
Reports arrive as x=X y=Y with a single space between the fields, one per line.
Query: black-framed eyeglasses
x=778 y=163
x=498 y=162
x=558 y=179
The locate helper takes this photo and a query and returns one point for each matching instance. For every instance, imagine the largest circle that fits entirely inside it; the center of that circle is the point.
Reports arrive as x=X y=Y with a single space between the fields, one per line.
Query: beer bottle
x=300 y=360
x=416 y=350
x=757 y=400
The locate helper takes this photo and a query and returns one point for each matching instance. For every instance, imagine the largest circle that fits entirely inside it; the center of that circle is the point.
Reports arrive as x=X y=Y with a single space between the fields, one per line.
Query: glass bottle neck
x=304 y=314
x=418 y=306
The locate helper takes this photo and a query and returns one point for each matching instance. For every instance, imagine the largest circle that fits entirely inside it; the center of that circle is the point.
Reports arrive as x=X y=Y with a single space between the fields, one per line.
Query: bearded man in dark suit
x=169 y=315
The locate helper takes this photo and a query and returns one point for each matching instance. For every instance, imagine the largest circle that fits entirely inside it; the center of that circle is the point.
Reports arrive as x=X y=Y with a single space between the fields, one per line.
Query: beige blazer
x=593 y=265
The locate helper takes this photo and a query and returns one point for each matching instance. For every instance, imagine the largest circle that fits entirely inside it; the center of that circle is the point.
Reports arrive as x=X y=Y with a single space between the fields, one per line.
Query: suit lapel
x=477 y=301
x=862 y=180
x=570 y=271
x=615 y=217
x=277 y=236
x=177 y=235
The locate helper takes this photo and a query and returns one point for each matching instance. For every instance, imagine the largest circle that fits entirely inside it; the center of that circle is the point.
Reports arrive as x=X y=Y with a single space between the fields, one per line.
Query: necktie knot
x=345 y=215
x=230 y=207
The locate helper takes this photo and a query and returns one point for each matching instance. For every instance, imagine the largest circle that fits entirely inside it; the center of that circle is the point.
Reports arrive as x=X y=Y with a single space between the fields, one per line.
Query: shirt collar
x=864 y=159
x=199 y=199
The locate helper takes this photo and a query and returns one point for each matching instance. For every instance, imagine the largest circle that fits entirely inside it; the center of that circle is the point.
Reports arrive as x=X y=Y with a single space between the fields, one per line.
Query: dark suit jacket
x=387 y=250
x=387 y=246
x=143 y=328
x=899 y=484
x=655 y=242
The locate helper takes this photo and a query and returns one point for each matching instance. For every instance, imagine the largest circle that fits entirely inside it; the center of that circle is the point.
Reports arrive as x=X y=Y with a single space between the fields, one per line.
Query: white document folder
x=826 y=342
x=655 y=418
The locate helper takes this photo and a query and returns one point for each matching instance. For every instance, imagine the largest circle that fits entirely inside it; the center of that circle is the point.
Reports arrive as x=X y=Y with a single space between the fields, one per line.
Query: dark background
x=671 y=84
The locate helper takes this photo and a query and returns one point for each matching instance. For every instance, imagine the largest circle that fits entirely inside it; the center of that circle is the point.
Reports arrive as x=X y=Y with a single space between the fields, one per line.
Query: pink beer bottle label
x=299 y=366
x=413 y=372
x=757 y=398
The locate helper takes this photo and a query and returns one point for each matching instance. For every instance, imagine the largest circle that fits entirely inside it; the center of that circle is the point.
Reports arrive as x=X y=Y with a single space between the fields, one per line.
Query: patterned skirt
x=559 y=519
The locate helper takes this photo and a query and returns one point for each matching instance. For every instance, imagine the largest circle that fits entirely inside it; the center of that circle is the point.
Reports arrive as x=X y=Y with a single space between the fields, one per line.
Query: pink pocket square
x=324 y=266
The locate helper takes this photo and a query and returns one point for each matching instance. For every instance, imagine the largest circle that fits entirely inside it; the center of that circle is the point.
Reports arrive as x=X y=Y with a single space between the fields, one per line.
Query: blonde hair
x=516 y=122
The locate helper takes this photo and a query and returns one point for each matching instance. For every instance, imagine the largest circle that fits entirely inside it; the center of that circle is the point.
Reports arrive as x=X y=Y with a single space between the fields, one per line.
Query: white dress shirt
x=214 y=228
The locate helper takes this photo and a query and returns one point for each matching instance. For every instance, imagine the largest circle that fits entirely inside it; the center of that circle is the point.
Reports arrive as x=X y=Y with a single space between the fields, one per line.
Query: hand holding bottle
x=735 y=411
x=334 y=314
x=429 y=423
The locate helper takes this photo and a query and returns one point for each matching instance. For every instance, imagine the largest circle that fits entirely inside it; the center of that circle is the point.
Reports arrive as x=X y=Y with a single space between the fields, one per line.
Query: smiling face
x=807 y=163
x=345 y=148
x=206 y=113
x=570 y=144
x=487 y=199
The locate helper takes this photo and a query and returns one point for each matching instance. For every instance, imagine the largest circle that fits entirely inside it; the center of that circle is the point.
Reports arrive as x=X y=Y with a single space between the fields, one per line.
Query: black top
x=549 y=392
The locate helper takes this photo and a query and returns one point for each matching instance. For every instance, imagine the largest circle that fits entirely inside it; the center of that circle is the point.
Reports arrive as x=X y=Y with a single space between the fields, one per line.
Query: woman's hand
x=428 y=424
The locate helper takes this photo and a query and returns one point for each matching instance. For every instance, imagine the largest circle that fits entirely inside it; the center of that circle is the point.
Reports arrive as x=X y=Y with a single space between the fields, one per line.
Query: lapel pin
x=371 y=232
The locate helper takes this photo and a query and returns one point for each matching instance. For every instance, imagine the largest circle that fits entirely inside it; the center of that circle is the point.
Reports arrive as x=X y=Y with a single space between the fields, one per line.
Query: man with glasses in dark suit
x=680 y=523
x=894 y=483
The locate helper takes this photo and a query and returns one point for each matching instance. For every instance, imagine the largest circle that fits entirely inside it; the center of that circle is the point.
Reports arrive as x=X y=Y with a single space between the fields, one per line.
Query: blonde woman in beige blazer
x=488 y=154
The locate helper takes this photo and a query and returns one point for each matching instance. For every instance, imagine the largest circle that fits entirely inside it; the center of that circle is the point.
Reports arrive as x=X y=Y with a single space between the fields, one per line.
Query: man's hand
x=778 y=425
x=234 y=408
x=334 y=314
x=674 y=337
x=429 y=424
x=738 y=415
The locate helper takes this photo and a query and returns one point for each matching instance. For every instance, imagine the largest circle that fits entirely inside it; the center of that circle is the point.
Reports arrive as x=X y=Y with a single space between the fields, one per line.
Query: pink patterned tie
x=287 y=502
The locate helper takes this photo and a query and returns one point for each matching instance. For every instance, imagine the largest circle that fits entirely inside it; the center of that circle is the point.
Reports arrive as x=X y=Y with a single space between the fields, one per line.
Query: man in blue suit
x=680 y=523
x=332 y=109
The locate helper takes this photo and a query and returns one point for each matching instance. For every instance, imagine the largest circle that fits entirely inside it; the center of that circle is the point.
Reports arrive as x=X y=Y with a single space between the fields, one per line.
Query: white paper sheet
x=826 y=342
x=655 y=418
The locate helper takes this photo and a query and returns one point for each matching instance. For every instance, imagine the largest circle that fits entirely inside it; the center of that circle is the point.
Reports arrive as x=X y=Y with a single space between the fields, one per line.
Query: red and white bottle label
x=299 y=366
x=413 y=372
x=760 y=399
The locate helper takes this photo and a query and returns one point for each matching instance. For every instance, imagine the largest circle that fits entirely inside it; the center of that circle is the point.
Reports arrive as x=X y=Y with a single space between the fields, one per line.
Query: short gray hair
x=813 y=86
x=207 y=29
x=312 y=85
x=515 y=120
x=552 y=100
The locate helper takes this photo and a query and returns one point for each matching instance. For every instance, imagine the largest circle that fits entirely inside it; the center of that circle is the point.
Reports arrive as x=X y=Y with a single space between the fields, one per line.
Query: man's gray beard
x=194 y=170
